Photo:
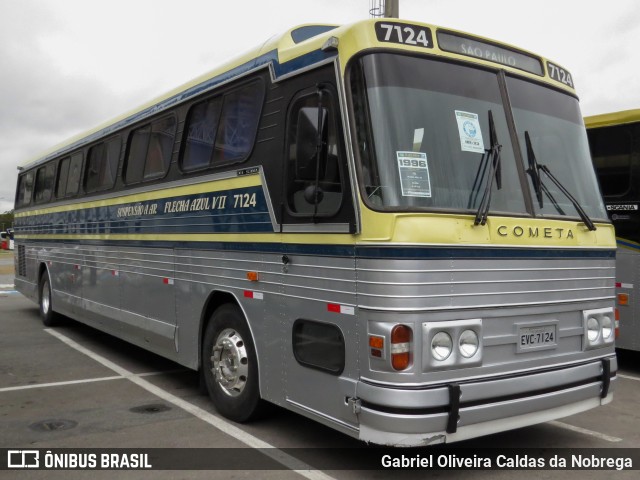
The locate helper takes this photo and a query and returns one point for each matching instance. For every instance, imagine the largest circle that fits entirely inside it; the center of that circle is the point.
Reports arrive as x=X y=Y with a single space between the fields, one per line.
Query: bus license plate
x=539 y=337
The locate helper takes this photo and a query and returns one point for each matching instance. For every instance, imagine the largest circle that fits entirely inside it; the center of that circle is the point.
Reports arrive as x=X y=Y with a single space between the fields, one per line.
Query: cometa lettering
x=536 y=232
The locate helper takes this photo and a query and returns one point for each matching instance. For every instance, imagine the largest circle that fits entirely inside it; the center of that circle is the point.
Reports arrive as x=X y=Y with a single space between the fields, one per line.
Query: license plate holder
x=534 y=337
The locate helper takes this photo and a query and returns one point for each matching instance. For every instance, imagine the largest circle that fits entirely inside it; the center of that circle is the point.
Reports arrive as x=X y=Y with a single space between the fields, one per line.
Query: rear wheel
x=46 y=306
x=229 y=365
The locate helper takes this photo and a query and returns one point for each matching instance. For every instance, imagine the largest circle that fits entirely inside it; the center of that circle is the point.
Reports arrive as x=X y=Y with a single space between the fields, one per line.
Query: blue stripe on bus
x=627 y=244
x=241 y=210
x=356 y=251
x=267 y=58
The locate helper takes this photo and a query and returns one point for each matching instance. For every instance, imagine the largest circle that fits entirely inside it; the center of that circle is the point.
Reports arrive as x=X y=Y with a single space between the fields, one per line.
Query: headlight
x=441 y=346
x=593 y=329
x=468 y=343
x=599 y=328
x=607 y=327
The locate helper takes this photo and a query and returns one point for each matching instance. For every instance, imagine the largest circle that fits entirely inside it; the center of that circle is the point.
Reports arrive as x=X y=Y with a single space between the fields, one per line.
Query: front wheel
x=46 y=306
x=230 y=366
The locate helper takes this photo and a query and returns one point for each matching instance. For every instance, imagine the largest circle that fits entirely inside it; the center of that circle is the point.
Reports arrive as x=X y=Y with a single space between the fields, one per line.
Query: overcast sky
x=69 y=65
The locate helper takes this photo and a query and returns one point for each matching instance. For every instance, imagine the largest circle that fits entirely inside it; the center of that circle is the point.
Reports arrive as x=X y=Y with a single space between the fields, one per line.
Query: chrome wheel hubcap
x=230 y=362
x=46 y=298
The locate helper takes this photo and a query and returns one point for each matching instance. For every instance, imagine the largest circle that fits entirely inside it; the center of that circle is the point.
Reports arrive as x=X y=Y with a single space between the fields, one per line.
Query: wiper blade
x=495 y=172
x=534 y=171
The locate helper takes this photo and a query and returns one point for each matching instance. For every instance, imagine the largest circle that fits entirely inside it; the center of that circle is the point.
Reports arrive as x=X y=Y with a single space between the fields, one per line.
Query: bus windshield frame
x=425 y=143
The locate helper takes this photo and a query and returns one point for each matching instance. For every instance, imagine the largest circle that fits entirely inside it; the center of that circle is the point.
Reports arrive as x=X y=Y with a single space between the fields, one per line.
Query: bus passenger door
x=320 y=357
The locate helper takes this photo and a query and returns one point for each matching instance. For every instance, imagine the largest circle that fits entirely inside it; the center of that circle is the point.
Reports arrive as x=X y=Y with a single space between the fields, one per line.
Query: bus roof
x=307 y=45
x=611 y=119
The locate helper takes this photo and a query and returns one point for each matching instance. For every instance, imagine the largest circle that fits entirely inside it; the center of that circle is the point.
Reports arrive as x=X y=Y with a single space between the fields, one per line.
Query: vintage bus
x=614 y=139
x=389 y=227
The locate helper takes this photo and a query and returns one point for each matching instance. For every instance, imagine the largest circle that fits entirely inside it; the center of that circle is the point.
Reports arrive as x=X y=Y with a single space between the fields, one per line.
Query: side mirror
x=313 y=195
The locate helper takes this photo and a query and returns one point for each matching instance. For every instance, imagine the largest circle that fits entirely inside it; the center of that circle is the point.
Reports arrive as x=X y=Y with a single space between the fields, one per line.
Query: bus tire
x=230 y=366
x=49 y=318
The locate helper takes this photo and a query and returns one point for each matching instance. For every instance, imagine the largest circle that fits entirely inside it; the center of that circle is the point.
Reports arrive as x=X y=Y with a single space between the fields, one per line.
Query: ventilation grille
x=22 y=262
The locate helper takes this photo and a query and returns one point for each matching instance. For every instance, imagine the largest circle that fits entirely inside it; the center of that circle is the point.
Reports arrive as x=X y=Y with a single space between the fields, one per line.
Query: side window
x=202 y=126
x=222 y=130
x=238 y=124
x=63 y=176
x=102 y=164
x=314 y=181
x=25 y=190
x=149 y=152
x=73 y=180
x=611 y=149
x=44 y=183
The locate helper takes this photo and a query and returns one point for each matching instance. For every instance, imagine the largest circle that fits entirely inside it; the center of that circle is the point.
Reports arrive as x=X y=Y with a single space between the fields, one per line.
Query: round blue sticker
x=469 y=129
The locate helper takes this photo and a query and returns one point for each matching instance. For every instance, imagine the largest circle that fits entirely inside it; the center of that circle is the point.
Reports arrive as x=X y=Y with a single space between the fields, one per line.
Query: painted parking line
x=585 y=431
x=59 y=384
x=86 y=380
x=629 y=377
x=286 y=460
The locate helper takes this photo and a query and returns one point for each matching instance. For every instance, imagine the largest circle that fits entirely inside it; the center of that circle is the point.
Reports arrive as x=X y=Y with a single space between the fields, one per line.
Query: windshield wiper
x=540 y=187
x=493 y=157
x=534 y=172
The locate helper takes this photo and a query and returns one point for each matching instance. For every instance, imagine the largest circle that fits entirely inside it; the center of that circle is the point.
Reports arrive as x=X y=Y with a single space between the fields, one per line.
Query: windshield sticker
x=414 y=174
x=418 y=135
x=470 y=133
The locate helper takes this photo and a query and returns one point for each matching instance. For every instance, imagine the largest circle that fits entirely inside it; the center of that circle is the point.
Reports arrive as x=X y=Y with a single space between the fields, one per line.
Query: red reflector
x=333 y=307
x=376 y=353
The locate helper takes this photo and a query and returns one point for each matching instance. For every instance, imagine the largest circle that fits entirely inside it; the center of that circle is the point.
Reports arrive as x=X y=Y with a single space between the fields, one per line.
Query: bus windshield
x=426 y=142
x=558 y=140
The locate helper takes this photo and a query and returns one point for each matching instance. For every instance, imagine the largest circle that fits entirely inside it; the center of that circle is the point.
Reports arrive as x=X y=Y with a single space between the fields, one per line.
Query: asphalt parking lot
x=75 y=387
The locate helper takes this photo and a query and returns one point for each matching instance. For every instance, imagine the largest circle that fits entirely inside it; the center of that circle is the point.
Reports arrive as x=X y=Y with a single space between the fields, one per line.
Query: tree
x=6 y=220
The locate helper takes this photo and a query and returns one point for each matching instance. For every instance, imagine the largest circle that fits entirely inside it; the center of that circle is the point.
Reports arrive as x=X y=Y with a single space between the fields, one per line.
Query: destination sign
x=455 y=43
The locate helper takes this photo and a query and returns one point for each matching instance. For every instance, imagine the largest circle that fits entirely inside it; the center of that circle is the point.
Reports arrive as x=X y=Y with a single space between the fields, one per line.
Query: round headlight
x=593 y=329
x=441 y=346
x=607 y=327
x=469 y=343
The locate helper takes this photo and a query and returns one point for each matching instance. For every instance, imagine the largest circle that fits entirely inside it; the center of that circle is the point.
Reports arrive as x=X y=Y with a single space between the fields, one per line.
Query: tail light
x=401 y=347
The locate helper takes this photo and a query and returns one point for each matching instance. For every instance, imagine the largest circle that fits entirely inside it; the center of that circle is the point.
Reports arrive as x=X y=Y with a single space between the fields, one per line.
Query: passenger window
x=612 y=149
x=202 y=128
x=222 y=130
x=238 y=124
x=44 y=183
x=102 y=165
x=314 y=178
x=25 y=190
x=150 y=148
x=73 y=181
x=63 y=175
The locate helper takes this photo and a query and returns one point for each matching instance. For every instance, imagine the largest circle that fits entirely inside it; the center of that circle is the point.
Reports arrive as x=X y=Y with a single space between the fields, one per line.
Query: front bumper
x=459 y=411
